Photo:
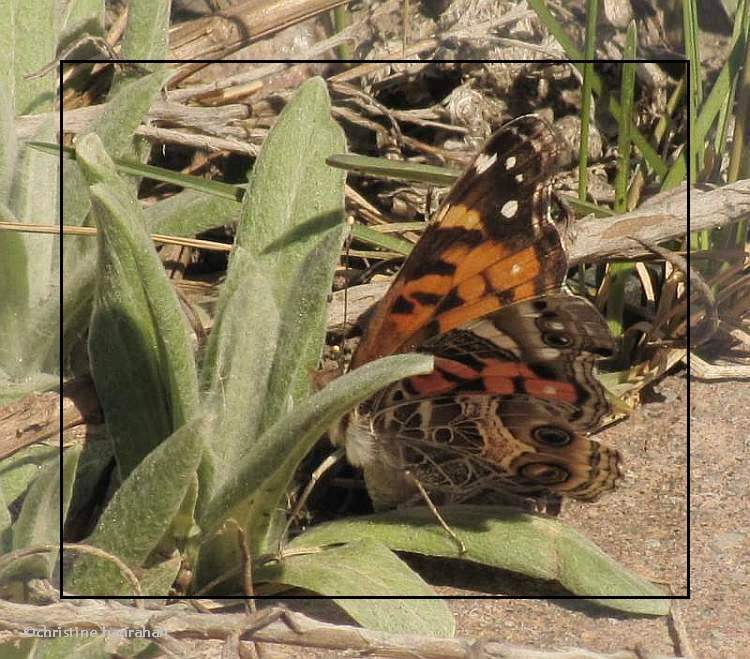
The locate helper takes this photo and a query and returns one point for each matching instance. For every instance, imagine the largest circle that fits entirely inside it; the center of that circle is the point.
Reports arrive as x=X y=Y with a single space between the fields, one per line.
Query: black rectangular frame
x=685 y=62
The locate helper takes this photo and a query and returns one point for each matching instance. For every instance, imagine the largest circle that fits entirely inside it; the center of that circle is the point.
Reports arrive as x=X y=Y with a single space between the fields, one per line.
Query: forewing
x=492 y=243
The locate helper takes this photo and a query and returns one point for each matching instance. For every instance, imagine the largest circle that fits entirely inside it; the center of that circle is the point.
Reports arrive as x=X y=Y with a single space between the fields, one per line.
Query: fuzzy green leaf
x=135 y=525
x=255 y=486
x=539 y=547
x=38 y=522
x=366 y=568
x=293 y=222
x=139 y=347
x=270 y=322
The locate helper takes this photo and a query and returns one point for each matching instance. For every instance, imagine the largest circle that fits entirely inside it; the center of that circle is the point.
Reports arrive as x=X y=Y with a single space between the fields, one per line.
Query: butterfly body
x=513 y=393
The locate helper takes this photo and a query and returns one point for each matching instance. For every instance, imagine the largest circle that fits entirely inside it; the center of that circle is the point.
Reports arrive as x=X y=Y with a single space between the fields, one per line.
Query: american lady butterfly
x=513 y=392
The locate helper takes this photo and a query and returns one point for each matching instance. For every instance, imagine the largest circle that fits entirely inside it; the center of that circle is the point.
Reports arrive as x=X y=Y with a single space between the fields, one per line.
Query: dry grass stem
x=275 y=625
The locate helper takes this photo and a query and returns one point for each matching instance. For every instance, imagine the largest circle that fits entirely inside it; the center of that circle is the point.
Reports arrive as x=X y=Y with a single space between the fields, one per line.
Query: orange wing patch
x=490 y=245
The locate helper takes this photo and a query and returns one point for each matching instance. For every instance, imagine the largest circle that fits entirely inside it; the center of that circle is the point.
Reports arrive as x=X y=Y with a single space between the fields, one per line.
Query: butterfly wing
x=513 y=392
x=491 y=244
x=506 y=408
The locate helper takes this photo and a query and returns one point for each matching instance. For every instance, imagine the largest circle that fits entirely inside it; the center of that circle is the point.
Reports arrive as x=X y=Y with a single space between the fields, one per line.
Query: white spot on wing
x=510 y=163
x=515 y=269
x=509 y=209
x=519 y=178
x=484 y=161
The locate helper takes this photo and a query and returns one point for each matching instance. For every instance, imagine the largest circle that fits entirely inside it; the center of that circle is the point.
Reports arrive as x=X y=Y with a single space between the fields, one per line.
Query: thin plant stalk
x=592 y=7
x=739 y=161
x=613 y=106
x=692 y=52
x=619 y=272
x=341 y=20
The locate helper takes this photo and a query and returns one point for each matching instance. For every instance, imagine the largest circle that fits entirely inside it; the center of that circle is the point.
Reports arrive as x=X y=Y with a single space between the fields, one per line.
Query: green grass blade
x=739 y=161
x=725 y=114
x=555 y=29
x=624 y=135
x=613 y=106
x=585 y=207
x=382 y=240
x=721 y=89
x=690 y=37
x=191 y=214
x=394 y=169
x=214 y=188
x=592 y=12
x=619 y=273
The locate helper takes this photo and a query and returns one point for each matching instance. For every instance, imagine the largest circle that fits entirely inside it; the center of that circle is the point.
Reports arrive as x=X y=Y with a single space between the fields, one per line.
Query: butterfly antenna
x=433 y=509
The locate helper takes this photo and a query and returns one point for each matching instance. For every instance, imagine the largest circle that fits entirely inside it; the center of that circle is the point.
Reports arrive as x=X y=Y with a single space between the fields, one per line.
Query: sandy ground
x=643 y=525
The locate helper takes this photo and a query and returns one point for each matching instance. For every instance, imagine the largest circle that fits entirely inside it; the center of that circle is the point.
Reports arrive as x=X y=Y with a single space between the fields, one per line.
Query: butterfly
x=513 y=392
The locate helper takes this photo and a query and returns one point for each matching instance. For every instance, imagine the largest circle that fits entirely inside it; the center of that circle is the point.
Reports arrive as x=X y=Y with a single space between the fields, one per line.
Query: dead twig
x=601 y=239
x=679 y=633
x=706 y=328
x=7 y=560
x=37 y=417
x=221 y=34
x=703 y=370
x=273 y=625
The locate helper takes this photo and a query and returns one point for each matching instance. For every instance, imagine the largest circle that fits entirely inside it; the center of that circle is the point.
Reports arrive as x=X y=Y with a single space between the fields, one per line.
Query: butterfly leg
x=436 y=512
x=324 y=466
